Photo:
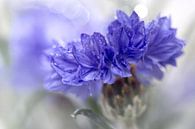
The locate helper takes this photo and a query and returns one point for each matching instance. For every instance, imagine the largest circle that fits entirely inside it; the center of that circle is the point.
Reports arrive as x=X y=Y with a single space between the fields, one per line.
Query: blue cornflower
x=126 y=35
x=162 y=50
x=93 y=61
x=81 y=64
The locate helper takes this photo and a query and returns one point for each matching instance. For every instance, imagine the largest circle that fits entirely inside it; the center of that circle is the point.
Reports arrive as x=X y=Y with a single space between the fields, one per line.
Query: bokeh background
x=25 y=104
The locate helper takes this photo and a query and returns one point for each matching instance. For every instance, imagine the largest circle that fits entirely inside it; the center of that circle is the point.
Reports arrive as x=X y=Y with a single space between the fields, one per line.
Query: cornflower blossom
x=127 y=36
x=162 y=50
x=130 y=45
x=82 y=63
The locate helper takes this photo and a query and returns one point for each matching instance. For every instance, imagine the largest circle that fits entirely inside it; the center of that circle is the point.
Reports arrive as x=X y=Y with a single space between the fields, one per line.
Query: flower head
x=162 y=50
x=126 y=35
x=131 y=45
x=82 y=63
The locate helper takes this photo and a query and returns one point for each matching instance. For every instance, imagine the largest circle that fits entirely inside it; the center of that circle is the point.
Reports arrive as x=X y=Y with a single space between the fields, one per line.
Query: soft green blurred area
x=172 y=102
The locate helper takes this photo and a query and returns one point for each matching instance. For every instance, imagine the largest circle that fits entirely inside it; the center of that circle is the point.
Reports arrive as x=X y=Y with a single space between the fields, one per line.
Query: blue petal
x=163 y=48
x=122 y=17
